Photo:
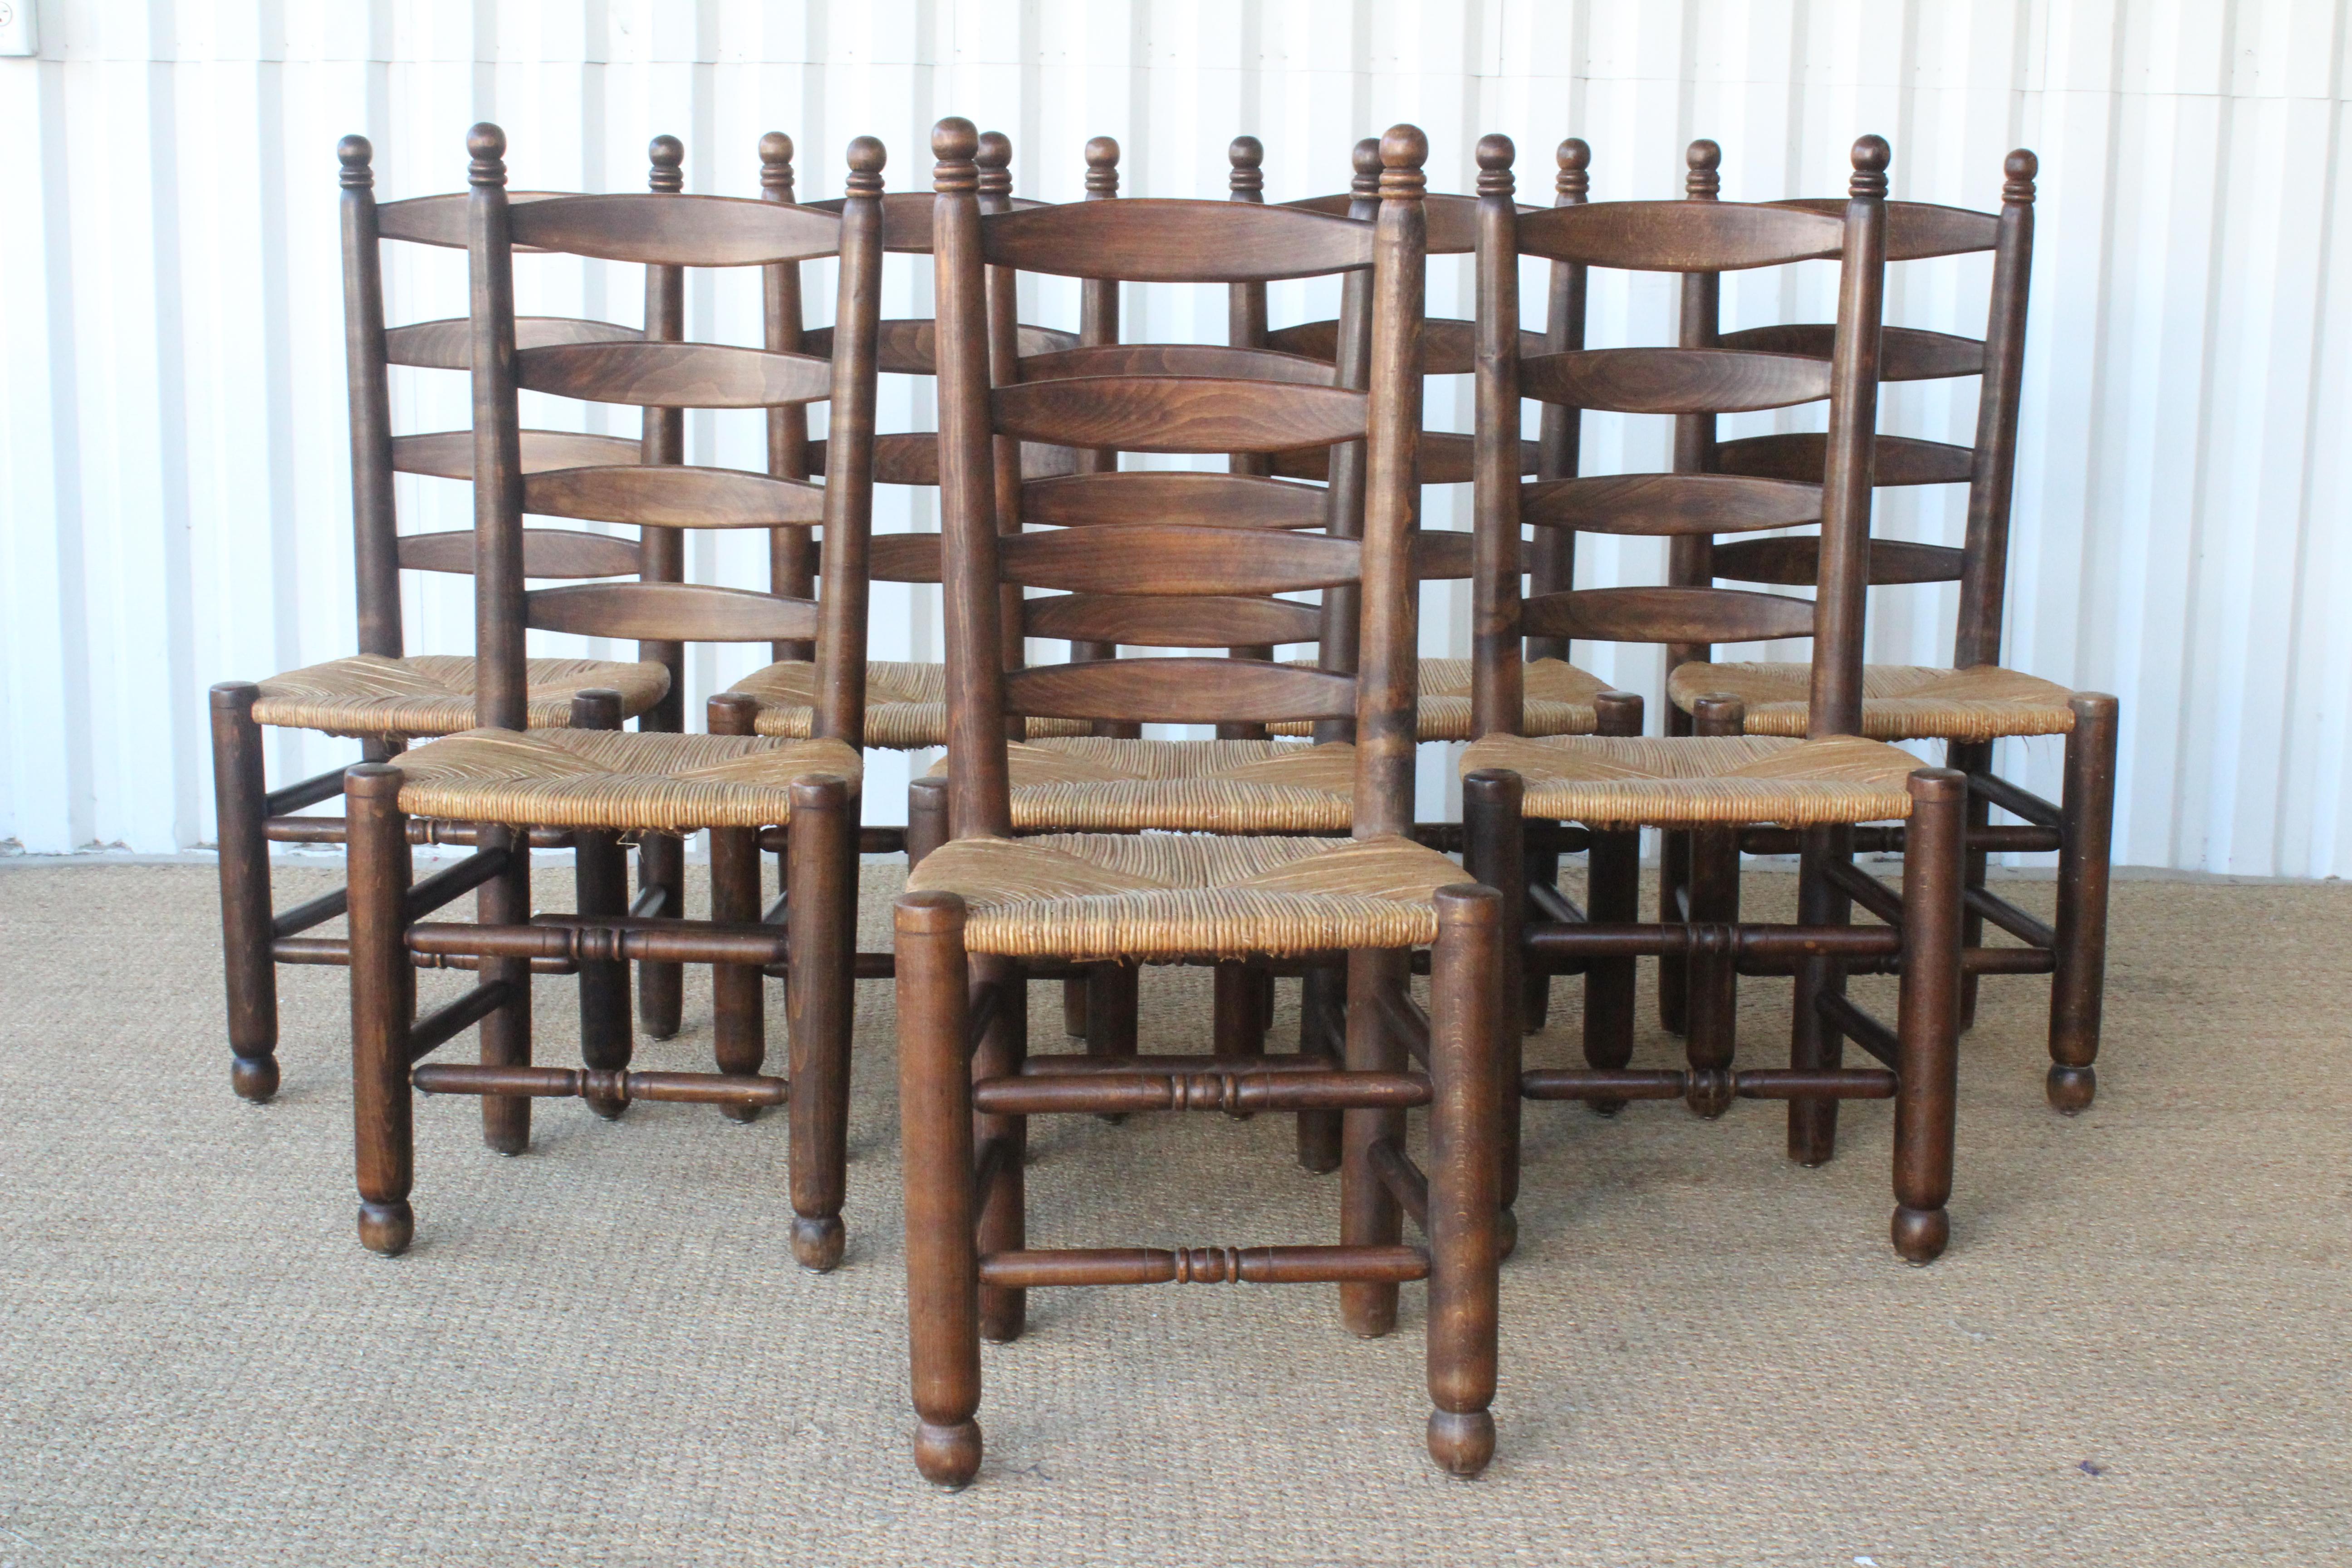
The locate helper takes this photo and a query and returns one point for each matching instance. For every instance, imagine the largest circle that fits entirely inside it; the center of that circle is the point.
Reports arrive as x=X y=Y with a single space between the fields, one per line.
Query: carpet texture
x=2136 y=1350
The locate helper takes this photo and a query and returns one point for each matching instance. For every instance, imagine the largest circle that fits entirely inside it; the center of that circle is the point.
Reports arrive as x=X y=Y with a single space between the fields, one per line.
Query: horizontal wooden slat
x=1917 y=230
x=1180 y=692
x=441 y=220
x=1673 y=381
x=911 y=347
x=447 y=344
x=1667 y=615
x=1205 y=621
x=678 y=230
x=1446 y=457
x=1905 y=354
x=449 y=454
x=670 y=612
x=1452 y=219
x=912 y=458
x=1178 y=558
x=1178 y=359
x=1898 y=459
x=903 y=558
x=1164 y=241
x=673 y=496
x=907 y=218
x=1177 y=414
x=1448 y=346
x=1205 y=501
x=1670 y=503
x=1440 y=555
x=1796 y=562
x=546 y=552
x=675 y=375
x=1680 y=237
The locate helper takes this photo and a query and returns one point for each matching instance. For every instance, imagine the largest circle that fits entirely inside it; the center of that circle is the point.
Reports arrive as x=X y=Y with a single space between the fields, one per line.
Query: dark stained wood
x=442 y=345
x=673 y=374
x=907 y=218
x=449 y=454
x=1796 y=562
x=669 y=611
x=908 y=348
x=1670 y=503
x=1900 y=459
x=1178 y=414
x=1927 y=1064
x=441 y=220
x=1176 y=242
x=908 y=457
x=1180 y=692
x=383 y=1006
x=1680 y=237
x=791 y=553
x=1195 y=500
x=689 y=231
x=1905 y=353
x=1448 y=347
x=374 y=559
x=1464 y=1200
x=673 y=497
x=1446 y=458
x=1177 y=359
x=1200 y=621
x=1177 y=558
x=1673 y=381
x=904 y=558
x=1668 y=615
x=546 y=552
x=243 y=804
x=1918 y=230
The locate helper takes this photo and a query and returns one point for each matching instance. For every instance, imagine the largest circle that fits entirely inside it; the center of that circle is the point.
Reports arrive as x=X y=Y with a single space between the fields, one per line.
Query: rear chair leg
x=2087 y=820
x=1965 y=757
x=1002 y=1224
x=661 y=988
x=737 y=991
x=1815 y=1042
x=1468 y=1018
x=1612 y=896
x=242 y=798
x=383 y=1006
x=821 y=912
x=1928 y=1023
x=1369 y=1214
x=1322 y=1011
x=935 y=1112
x=505 y=899
x=600 y=886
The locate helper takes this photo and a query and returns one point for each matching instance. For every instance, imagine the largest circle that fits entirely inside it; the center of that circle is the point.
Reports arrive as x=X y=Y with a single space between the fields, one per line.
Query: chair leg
x=1966 y=757
x=1711 y=1015
x=1074 y=1007
x=2088 y=822
x=1813 y=1041
x=737 y=991
x=242 y=798
x=600 y=873
x=1613 y=895
x=1238 y=1016
x=820 y=995
x=661 y=988
x=1322 y=1011
x=1535 y=984
x=1494 y=837
x=1114 y=1013
x=383 y=1007
x=935 y=1112
x=1469 y=1018
x=505 y=899
x=1927 y=1022
x=1002 y=1224
x=1369 y=1214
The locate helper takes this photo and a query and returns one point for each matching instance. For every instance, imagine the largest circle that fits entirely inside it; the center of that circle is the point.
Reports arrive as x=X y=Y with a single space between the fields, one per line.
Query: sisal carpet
x=2136 y=1350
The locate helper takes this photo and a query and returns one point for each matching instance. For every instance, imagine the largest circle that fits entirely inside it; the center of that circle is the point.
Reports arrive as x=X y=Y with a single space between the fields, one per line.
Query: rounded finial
x=488 y=144
x=1575 y=160
x=867 y=158
x=1871 y=157
x=1102 y=166
x=1367 y=166
x=354 y=154
x=1245 y=155
x=1704 y=159
x=994 y=157
x=1402 y=153
x=2021 y=167
x=1496 y=154
x=667 y=156
x=776 y=164
x=953 y=141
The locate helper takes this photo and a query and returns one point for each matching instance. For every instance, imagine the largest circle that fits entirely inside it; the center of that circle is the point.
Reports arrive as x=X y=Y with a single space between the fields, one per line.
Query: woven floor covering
x=2136 y=1351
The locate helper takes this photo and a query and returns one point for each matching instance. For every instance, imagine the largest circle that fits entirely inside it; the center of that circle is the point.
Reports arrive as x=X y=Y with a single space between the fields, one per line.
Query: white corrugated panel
x=171 y=411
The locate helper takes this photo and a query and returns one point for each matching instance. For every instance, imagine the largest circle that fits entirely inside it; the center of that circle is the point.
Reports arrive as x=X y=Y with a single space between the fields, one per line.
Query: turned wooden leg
x=1238 y=1016
x=1612 y=896
x=1322 y=1014
x=1535 y=983
x=383 y=1007
x=505 y=899
x=1711 y=1011
x=1964 y=758
x=1114 y=1012
x=1673 y=885
x=600 y=872
x=661 y=988
x=1928 y=1024
x=1467 y=1022
x=242 y=799
x=737 y=991
x=821 y=911
x=1369 y=1214
x=1815 y=1043
x=936 y=1122
x=1494 y=837
x=1003 y=1225
x=2087 y=821
x=1074 y=1007
x=926 y=818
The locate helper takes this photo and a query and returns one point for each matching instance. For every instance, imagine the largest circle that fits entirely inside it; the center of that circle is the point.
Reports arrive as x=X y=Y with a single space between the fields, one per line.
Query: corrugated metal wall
x=171 y=409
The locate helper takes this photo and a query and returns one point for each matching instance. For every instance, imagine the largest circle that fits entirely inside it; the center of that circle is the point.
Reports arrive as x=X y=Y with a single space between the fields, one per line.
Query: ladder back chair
x=986 y=912
x=1716 y=782
x=648 y=784
x=1977 y=700
x=382 y=695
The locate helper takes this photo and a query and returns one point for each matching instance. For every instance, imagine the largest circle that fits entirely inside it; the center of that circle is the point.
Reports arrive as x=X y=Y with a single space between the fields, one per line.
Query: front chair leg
x=383 y=1006
x=1927 y=1024
x=821 y=912
x=2087 y=821
x=1467 y=1020
x=935 y=1114
x=242 y=798
x=1494 y=838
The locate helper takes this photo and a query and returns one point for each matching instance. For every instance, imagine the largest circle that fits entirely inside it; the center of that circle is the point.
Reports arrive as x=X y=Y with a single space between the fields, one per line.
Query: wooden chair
x=1977 y=700
x=729 y=781
x=986 y=912
x=382 y=695
x=1716 y=782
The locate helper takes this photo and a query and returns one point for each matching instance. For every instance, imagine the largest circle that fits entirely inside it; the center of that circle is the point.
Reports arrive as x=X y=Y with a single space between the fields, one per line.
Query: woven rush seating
x=1166 y=896
x=432 y=694
x=1632 y=780
x=906 y=704
x=646 y=782
x=1899 y=701
x=1102 y=785
x=1559 y=699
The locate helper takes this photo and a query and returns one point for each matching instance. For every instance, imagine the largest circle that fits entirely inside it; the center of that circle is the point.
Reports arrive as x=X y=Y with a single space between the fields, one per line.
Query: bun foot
x=2070 y=1089
x=948 y=1455
x=817 y=1244
x=1461 y=1444
x=1921 y=1235
x=387 y=1228
x=253 y=1077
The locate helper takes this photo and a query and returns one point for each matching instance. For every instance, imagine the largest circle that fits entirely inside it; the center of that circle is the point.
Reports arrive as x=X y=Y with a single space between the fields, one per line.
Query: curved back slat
x=1206 y=500
x=449 y=454
x=910 y=347
x=441 y=220
x=1668 y=615
x=546 y=552
x=1680 y=237
x=1442 y=555
x=674 y=376
x=670 y=612
x=1177 y=359
x=1671 y=503
x=907 y=219
x=1178 y=414
x=1448 y=347
x=1203 y=621
x=1905 y=354
x=1796 y=562
x=1795 y=455
x=678 y=230
x=1918 y=230
x=664 y=496
x=1673 y=381
x=1164 y=241
x=904 y=558
x=1174 y=558
x=1446 y=458
x=1180 y=692
x=443 y=345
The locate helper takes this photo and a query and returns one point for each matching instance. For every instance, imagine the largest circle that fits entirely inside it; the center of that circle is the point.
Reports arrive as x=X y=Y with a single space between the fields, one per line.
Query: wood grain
x=449 y=454
x=1174 y=413
x=1670 y=503
x=444 y=345
x=1175 y=242
x=1201 y=621
x=1448 y=347
x=1905 y=354
x=670 y=612
x=911 y=347
x=1446 y=458
x=1692 y=615
x=1178 y=558
x=1918 y=230
x=1205 y=501
x=675 y=375
x=1680 y=237
x=1178 y=359
x=1898 y=461
x=903 y=558
x=673 y=497
x=1796 y=562
x=546 y=552
x=1180 y=692
x=664 y=229
x=1673 y=380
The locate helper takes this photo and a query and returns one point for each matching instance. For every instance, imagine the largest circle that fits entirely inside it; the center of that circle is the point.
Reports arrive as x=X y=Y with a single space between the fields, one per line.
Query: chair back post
x=849 y=447
x=1342 y=612
x=994 y=162
x=375 y=531
x=979 y=798
x=792 y=564
x=1551 y=554
x=1844 y=582
x=1245 y=302
x=1386 y=737
x=499 y=678
x=1984 y=569
x=1690 y=558
x=1098 y=313
x=661 y=552
x=1497 y=682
